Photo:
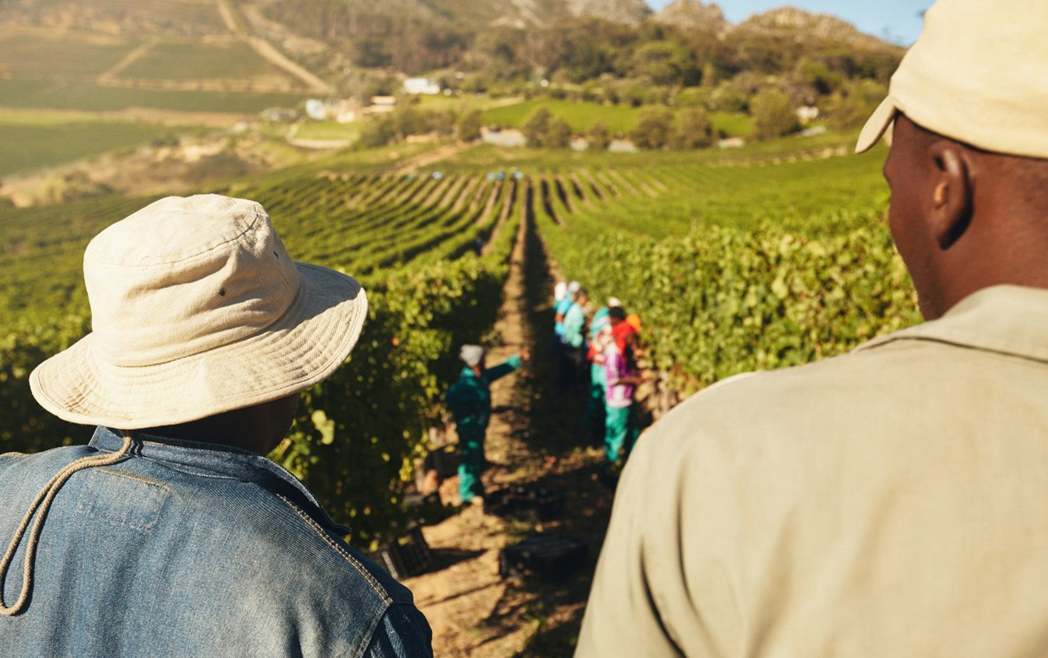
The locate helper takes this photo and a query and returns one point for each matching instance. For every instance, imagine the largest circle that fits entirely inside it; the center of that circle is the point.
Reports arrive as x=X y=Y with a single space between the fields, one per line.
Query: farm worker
x=575 y=338
x=469 y=401
x=599 y=330
x=889 y=502
x=559 y=291
x=620 y=374
x=561 y=307
x=171 y=534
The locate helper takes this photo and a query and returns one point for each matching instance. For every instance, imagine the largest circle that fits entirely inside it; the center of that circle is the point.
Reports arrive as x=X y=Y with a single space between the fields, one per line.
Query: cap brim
x=305 y=346
x=876 y=126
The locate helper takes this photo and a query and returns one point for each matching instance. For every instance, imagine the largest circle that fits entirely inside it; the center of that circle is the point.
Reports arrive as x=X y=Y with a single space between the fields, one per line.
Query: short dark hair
x=616 y=313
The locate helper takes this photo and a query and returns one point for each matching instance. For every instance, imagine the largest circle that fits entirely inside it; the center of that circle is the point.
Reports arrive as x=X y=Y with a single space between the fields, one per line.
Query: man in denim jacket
x=171 y=534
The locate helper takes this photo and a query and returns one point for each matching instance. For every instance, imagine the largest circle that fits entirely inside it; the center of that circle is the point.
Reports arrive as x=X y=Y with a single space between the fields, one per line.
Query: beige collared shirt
x=891 y=502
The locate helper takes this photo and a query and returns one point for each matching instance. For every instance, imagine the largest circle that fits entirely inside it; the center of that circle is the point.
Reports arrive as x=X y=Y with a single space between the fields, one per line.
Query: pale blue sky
x=896 y=20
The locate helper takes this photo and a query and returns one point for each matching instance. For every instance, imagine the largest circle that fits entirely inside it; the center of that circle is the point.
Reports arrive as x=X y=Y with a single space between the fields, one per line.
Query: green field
x=41 y=54
x=329 y=131
x=795 y=195
x=463 y=103
x=732 y=125
x=193 y=60
x=92 y=97
x=580 y=116
x=178 y=16
x=29 y=147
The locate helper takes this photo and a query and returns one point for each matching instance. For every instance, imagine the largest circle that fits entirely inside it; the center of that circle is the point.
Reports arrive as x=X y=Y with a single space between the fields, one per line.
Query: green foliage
x=666 y=63
x=854 y=105
x=654 y=126
x=773 y=114
x=24 y=344
x=720 y=301
x=374 y=411
x=694 y=129
x=559 y=134
x=819 y=75
x=408 y=120
x=536 y=130
x=599 y=137
x=469 y=126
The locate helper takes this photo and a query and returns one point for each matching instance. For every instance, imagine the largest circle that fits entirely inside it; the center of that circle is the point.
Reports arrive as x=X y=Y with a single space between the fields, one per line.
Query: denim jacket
x=191 y=549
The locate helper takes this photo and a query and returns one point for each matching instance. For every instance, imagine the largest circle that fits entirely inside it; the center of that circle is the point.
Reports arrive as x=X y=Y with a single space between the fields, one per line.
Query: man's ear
x=952 y=194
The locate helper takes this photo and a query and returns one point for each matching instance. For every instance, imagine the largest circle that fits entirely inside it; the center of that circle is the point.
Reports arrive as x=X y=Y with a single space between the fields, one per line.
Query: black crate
x=445 y=461
x=549 y=557
x=525 y=503
x=408 y=556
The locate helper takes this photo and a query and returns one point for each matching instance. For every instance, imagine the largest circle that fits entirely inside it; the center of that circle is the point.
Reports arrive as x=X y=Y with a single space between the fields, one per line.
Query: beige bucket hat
x=978 y=74
x=197 y=309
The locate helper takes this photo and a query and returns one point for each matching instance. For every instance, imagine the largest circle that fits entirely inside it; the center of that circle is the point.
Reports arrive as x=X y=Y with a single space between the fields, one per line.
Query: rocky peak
x=691 y=14
x=822 y=26
x=618 y=11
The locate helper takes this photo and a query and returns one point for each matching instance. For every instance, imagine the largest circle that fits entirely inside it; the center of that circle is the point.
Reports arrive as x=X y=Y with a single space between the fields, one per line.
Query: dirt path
x=268 y=52
x=472 y=610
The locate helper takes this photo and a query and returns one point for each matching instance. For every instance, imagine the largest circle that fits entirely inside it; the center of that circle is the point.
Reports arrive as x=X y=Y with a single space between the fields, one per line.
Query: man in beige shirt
x=894 y=501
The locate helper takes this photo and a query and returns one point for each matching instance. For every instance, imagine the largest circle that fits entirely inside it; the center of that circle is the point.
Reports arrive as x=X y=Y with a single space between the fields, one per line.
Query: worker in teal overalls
x=469 y=401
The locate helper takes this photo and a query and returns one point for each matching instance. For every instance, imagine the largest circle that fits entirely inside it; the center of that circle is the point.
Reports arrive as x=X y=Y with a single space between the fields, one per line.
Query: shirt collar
x=1010 y=320
x=232 y=463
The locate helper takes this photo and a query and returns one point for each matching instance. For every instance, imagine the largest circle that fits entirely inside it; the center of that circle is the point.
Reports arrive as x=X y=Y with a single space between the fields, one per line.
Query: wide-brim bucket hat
x=197 y=309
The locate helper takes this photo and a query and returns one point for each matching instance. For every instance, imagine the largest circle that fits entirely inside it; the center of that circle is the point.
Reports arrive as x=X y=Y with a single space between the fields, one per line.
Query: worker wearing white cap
x=469 y=401
x=890 y=502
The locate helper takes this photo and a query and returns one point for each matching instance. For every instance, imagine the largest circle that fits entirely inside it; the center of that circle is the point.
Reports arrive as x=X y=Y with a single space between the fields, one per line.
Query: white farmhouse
x=423 y=86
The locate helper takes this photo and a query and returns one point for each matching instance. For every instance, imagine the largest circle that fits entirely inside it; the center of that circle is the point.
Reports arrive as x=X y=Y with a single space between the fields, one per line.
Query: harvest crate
x=549 y=557
x=408 y=556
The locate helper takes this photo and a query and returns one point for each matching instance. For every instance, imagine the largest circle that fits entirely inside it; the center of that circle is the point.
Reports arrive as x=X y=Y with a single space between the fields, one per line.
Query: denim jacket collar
x=222 y=461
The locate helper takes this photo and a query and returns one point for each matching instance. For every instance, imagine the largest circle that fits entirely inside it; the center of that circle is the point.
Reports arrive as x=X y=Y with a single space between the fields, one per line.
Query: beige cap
x=197 y=309
x=978 y=74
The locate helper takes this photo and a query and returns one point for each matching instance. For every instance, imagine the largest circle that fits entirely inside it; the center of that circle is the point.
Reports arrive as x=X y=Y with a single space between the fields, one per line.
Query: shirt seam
x=952 y=342
x=341 y=551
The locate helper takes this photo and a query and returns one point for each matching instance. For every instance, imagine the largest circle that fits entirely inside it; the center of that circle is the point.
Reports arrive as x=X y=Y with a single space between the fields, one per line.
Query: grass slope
x=190 y=60
x=581 y=116
x=40 y=54
x=28 y=147
x=91 y=97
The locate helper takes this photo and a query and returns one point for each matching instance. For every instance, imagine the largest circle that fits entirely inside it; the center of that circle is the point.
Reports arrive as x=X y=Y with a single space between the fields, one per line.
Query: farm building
x=421 y=86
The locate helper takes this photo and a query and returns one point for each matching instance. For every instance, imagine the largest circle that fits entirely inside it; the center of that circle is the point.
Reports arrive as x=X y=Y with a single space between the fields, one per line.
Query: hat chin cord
x=43 y=502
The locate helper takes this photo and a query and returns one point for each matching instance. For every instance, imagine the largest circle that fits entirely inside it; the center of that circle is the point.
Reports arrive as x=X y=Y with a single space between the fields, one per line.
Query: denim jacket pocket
x=122 y=499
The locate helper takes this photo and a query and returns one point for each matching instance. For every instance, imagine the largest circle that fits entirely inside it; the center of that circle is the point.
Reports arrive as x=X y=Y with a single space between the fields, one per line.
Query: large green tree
x=773 y=114
x=694 y=129
x=536 y=129
x=654 y=127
